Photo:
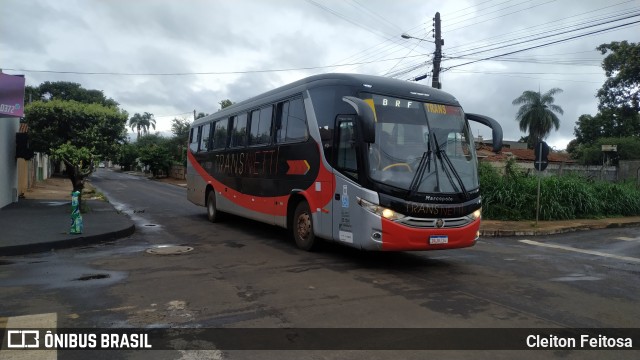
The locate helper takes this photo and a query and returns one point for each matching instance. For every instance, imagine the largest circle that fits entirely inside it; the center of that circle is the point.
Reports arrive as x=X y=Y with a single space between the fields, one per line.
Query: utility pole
x=437 y=55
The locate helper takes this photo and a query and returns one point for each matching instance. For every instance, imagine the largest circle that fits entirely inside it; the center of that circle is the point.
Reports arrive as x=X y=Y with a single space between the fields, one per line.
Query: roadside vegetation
x=512 y=196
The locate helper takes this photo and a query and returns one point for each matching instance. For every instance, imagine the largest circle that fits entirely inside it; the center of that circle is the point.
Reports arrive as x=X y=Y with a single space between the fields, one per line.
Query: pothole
x=93 y=277
x=169 y=250
x=150 y=225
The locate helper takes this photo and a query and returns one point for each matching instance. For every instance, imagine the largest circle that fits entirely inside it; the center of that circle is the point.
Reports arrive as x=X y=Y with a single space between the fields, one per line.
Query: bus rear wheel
x=303 y=227
x=212 y=212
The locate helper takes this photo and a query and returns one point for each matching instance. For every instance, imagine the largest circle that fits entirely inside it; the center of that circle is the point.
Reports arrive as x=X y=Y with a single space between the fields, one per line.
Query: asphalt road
x=244 y=274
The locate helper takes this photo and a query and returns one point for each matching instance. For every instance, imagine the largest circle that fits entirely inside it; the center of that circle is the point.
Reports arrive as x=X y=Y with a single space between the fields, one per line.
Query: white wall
x=8 y=165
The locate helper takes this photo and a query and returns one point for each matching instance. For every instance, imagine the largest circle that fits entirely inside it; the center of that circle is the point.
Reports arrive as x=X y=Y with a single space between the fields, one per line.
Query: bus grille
x=431 y=223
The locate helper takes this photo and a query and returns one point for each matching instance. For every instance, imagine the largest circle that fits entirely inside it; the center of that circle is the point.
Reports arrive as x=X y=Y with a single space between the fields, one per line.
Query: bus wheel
x=212 y=212
x=303 y=227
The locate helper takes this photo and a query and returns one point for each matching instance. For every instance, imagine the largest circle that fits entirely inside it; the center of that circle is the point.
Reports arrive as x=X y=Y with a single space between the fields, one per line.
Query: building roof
x=522 y=155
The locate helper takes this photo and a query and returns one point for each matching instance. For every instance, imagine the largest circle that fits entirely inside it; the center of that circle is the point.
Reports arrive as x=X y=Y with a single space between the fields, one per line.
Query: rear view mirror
x=365 y=116
x=496 y=129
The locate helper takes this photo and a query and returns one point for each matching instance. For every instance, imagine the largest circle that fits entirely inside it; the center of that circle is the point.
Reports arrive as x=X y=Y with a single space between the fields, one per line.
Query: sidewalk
x=41 y=221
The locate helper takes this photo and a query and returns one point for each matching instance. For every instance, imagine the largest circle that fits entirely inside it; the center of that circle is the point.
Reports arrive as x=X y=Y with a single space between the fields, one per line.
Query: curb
x=505 y=233
x=67 y=243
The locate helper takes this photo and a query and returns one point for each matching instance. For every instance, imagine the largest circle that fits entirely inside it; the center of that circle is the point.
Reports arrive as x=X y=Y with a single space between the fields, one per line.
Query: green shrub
x=512 y=196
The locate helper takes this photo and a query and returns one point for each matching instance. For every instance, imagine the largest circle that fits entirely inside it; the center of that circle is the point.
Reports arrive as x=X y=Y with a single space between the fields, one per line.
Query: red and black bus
x=371 y=162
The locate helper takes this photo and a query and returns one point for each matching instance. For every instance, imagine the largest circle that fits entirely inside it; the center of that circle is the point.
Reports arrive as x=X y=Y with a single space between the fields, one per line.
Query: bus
x=370 y=162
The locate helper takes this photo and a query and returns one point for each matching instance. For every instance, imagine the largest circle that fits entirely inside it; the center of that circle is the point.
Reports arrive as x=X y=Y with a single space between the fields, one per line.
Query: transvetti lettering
x=262 y=162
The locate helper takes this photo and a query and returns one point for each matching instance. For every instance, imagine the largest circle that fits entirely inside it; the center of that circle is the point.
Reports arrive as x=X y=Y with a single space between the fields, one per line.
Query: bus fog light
x=376 y=235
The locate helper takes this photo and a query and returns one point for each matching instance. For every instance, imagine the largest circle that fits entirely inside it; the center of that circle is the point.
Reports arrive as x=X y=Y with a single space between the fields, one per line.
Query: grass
x=512 y=196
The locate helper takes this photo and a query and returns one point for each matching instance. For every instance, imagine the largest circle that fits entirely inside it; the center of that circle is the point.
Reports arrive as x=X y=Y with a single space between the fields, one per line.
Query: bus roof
x=368 y=83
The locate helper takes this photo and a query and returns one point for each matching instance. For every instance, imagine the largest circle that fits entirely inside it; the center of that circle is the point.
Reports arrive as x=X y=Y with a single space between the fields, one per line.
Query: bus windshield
x=422 y=147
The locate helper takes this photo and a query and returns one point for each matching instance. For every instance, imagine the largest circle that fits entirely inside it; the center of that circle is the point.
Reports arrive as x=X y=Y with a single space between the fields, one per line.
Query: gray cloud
x=164 y=36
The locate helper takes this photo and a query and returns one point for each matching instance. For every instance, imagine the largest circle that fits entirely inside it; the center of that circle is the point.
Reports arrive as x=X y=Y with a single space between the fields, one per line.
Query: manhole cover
x=169 y=250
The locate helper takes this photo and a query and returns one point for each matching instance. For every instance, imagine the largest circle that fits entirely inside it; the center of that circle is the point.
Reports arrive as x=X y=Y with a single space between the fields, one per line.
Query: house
x=11 y=109
x=37 y=168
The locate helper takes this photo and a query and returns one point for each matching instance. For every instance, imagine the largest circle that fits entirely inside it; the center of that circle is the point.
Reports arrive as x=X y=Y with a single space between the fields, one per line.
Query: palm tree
x=136 y=122
x=147 y=121
x=537 y=114
x=142 y=123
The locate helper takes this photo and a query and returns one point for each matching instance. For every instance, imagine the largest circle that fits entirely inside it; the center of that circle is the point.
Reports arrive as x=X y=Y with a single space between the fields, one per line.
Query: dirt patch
x=55 y=188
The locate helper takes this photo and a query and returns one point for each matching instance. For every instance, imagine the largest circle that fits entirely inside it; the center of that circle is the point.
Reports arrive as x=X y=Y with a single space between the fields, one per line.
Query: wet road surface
x=245 y=274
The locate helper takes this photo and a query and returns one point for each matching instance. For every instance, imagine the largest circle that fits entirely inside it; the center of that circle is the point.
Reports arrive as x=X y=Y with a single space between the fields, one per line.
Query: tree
x=154 y=152
x=201 y=115
x=75 y=133
x=179 y=142
x=142 y=123
x=64 y=90
x=622 y=68
x=537 y=114
x=180 y=129
x=225 y=103
x=618 y=103
x=127 y=156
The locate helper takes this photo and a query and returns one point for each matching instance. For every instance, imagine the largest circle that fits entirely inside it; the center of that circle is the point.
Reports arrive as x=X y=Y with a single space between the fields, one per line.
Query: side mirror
x=365 y=116
x=496 y=129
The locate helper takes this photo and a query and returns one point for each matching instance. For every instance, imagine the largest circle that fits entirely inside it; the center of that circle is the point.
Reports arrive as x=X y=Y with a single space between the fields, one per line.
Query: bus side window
x=220 y=134
x=204 y=137
x=239 y=132
x=347 y=160
x=292 y=125
x=261 y=120
x=193 y=144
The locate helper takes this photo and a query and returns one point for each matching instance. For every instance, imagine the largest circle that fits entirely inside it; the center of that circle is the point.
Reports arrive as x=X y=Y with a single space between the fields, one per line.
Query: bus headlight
x=476 y=214
x=380 y=210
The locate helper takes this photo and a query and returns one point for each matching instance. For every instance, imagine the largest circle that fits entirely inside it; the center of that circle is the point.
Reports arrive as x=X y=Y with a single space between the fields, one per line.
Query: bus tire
x=212 y=213
x=303 y=227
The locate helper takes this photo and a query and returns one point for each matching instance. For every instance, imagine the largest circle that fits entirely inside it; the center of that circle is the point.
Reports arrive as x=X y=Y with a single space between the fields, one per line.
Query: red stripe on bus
x=272 y=205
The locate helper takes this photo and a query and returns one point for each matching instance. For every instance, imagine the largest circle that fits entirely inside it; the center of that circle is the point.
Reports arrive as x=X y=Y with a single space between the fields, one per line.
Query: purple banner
x=11 y=95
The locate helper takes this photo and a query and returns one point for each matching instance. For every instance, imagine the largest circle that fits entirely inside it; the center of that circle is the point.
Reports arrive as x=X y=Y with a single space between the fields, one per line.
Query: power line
x=404 y=57
x=527 y=77
x=208 y=73
x=625 y=15
x=497 y=17
x=449 y=24
x=554 y=21
x=473 y=6
x=545 y=44
x=552 y=35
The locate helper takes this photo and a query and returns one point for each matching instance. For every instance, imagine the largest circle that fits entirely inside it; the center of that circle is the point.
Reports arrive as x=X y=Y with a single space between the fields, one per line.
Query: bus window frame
x=233 y=120
x=271 y=128
x=227 y=138
x=353 y=174
x=279 y=120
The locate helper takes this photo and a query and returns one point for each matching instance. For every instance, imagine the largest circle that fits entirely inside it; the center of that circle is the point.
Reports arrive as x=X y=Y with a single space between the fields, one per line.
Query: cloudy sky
x=171 y=57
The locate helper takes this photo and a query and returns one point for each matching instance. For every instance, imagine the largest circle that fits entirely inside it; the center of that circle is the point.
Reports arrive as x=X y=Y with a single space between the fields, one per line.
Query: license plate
x=438 y=239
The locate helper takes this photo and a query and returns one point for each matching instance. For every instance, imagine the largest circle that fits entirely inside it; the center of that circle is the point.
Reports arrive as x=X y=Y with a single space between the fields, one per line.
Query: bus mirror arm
x=496 y=129
x=365 y=116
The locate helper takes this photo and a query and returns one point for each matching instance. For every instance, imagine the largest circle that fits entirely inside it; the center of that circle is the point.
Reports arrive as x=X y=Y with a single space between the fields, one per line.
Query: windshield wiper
x=418 y=178
x=422 y=166
x=444 y=159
